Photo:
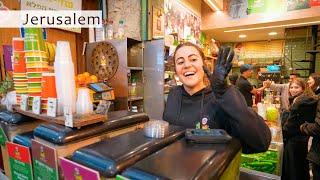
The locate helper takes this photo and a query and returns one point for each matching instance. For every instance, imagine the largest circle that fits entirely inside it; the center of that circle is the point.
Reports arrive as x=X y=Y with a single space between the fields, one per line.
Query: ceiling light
x=213 y=5
x=242 y=36
x=276 y=26
x=272 y=33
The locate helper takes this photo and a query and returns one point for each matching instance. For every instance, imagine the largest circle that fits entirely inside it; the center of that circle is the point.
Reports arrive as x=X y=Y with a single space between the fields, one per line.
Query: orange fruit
x=88 y=80
x=81 y=80
x=86 y=74
x=93 y=78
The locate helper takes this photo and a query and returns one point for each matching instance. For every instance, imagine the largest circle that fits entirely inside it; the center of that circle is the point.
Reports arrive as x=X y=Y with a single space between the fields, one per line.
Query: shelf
x=304 y=60
x=270 y=72
x=136 y=68
x=316 y=45
x=313 y=51
x=78 y=120
x=303 y=69
x=135 y=98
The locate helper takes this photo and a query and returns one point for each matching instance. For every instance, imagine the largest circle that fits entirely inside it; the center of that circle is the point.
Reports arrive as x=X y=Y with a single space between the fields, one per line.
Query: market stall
x=76 y=103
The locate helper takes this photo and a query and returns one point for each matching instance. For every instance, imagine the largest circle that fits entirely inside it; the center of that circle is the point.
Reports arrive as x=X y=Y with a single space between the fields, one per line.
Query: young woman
x=314 y=83
x=195 y=105
x=313 y=129
x=302 y=108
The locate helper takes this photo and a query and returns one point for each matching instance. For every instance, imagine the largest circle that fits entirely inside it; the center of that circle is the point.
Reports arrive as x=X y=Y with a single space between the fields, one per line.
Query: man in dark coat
x=313 y=129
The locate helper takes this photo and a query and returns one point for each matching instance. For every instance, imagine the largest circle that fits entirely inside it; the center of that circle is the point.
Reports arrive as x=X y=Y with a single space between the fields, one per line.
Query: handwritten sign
x=68 y=116
x=52 y=107
x=20 y=161
x=73 y=170
x=36 y=105
x=24 y=102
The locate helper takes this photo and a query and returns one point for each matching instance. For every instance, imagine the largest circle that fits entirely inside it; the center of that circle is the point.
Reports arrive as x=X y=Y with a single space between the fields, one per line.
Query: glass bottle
x=110 y=29
x=121 y=29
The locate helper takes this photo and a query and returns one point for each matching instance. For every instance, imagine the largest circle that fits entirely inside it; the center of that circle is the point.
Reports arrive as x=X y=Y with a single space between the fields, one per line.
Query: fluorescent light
x=269 y=27
x=213 y=5
x=272 y=33
x=242 y=36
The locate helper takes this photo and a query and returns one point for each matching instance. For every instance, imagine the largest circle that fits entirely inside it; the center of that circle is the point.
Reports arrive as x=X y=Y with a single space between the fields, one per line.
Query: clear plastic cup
x=84 y=104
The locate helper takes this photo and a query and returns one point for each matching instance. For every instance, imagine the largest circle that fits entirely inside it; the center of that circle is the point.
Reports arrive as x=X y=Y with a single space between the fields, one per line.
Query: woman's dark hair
x=316 y=78
x=187 y=44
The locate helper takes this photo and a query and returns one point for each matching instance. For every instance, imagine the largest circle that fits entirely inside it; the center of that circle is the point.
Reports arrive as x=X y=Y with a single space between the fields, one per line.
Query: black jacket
x=303 y=109
x=313 y=129
x=317 y=90
x=230 y=112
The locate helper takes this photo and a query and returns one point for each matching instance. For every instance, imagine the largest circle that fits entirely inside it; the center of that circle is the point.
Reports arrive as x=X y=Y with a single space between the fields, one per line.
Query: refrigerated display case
x=265 y=165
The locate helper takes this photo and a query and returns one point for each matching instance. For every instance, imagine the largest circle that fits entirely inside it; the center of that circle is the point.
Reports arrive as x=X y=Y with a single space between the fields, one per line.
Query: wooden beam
x=84 y=36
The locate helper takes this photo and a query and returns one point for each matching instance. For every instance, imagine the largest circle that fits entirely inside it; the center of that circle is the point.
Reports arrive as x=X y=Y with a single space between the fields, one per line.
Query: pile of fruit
x=263 y=162
x=51 y=51
x=82 y=80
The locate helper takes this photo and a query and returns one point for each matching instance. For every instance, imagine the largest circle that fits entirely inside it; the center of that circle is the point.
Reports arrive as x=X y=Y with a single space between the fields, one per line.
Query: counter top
x=182 y=160
x=59 y=134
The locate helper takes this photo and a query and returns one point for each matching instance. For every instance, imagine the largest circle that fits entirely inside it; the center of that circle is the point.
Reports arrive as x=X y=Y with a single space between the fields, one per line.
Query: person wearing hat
x=244 y=86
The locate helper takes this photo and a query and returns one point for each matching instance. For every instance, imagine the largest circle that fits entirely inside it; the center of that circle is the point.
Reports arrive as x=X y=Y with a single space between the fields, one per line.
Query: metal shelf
x=130 y=99
x=313 y=51
x=136 y=68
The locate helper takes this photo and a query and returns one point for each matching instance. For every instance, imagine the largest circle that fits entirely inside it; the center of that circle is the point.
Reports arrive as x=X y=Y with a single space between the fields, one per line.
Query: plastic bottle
x=121 y=29
x=65 y=83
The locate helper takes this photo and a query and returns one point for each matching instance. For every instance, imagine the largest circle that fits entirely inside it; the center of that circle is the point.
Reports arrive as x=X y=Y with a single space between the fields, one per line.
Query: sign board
x=52 y=107
x=24 y=102
x=20 y=161
x=36 y=105
x=44 y=161
x=53 y=6
x=3 y=137
x=68 y=116
x=74 y=171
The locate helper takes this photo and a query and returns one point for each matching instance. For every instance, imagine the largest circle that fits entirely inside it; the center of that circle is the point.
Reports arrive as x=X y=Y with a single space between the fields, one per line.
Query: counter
x=182 y=160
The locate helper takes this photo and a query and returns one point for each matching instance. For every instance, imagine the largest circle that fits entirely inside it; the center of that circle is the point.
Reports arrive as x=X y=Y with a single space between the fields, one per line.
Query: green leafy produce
x=6 y=86
x=263 y=162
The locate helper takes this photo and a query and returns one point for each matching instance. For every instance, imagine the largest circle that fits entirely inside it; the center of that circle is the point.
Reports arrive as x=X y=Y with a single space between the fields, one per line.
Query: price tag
x=36 y=105
x=68 y=116
x=24 y=102
x=52 y=107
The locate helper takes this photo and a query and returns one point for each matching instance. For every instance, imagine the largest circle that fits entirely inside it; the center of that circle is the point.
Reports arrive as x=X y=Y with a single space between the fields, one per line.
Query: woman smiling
x=195 y=105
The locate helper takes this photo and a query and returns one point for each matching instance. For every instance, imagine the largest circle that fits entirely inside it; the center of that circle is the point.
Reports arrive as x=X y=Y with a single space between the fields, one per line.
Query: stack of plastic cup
x=65 y=83
x=84 y=104
x=156 y=129
x=48 y=89
x=36 y=59
x=19 y=68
